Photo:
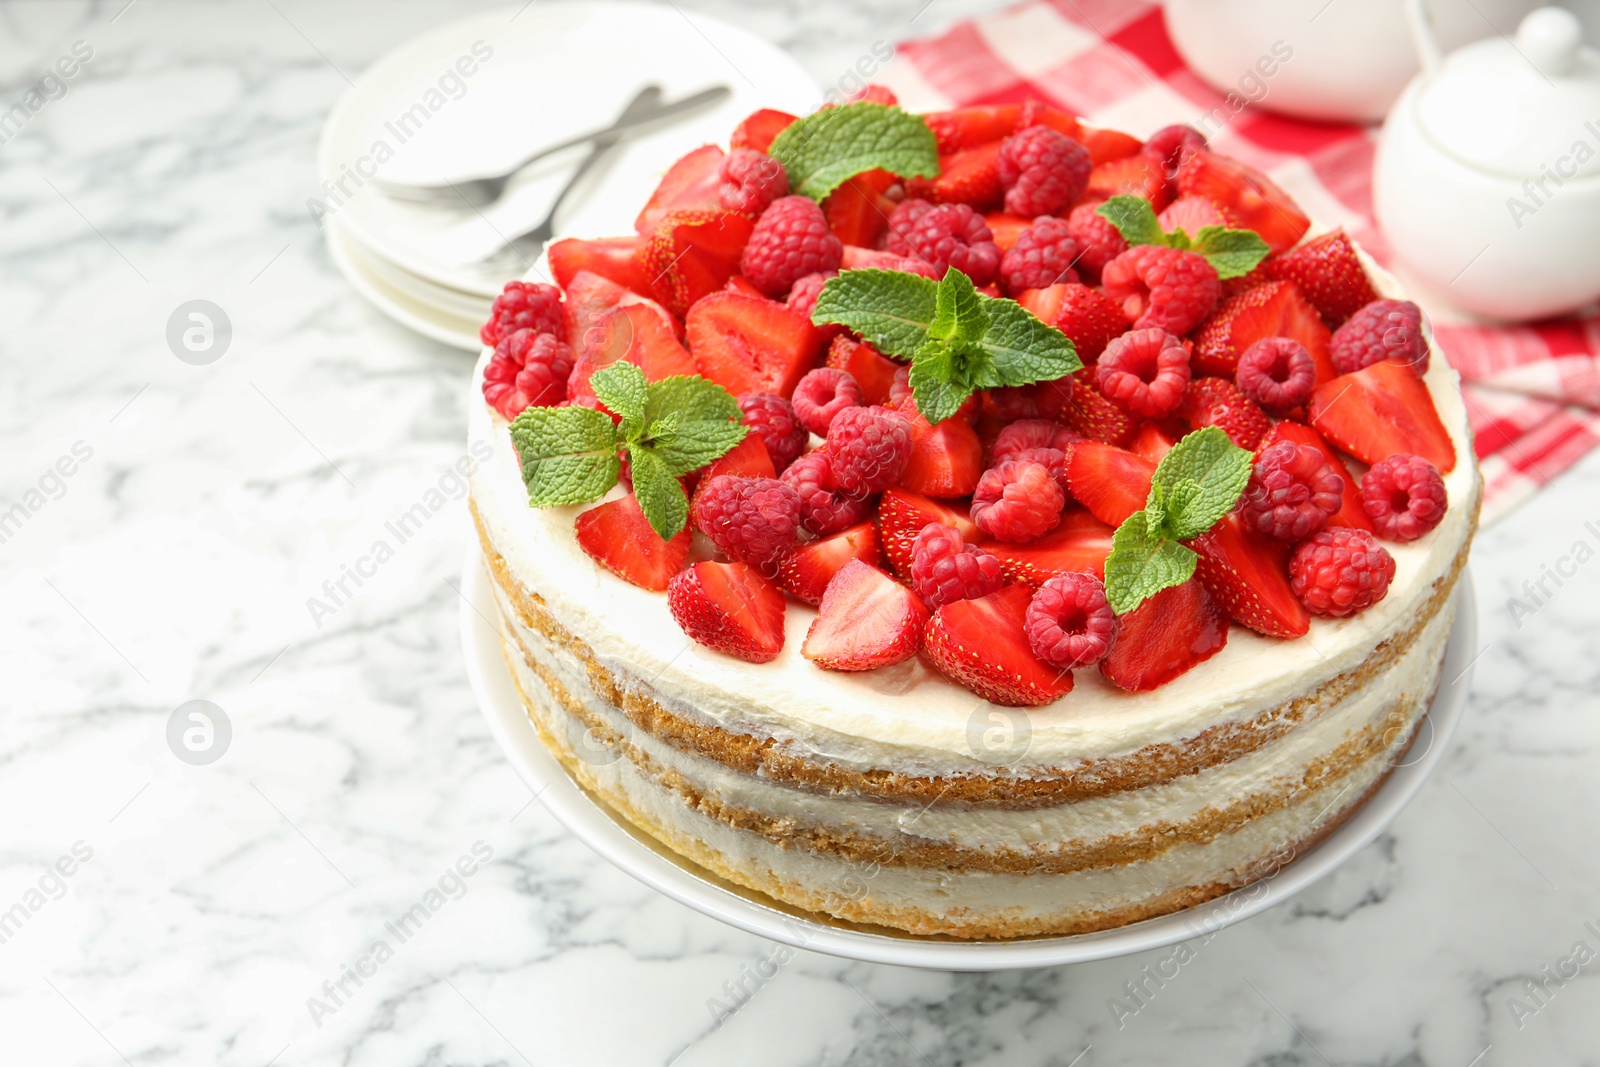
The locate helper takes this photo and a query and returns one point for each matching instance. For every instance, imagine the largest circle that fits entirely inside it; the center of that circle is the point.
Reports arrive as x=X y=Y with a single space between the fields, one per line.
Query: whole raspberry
x=524 y=305
x=1218 y=402
x=803 y=295
x=945 y=236
x=1017 y=501
x=1053 y=460
x=1404 y=496
x=1163 y=287
x=1144 y=372
x=751 y=181
x=1384 y=329
x=944 y=568
x=751 y=520
x=527 y=369
x=1043 y=256
x=1341 y=571
x=790 y=240
x=1043 y=171
x=1099 y=242
x=824 y=509
x=772 y=418
x=1069 y=624
x=822 y=394
x=1277 y=373
x=868 y=449
x=1026 y=434
x=1169 y=146
x=1292 y=493
x=900 y=386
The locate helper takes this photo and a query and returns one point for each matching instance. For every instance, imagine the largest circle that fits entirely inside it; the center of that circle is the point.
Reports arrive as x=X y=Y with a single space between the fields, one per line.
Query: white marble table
x=206 y=906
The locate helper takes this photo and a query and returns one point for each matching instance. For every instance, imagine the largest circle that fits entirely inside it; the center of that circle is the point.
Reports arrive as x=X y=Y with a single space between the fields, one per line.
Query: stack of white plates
x=475 y=96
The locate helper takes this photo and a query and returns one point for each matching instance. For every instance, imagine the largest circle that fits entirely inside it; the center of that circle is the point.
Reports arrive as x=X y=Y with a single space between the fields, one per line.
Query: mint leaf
x=693 y=445
x=687 y=422
x=1199 y=481
x=659 y=493
x=822 y=150
x=937 y=396
x=1141 y=565
x=890 y=309
x=1134 y=218
x=691 y=398
x=622 y=388
x=568 y=454
x=1234 y=253
x=1022 y=349
x=958 y=314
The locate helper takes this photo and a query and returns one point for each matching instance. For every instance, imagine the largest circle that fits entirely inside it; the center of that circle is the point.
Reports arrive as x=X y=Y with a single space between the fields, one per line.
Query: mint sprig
x=1234 y=253
x=957 y=339
x=1196 y=483
x=827 y=147
x=571 y=455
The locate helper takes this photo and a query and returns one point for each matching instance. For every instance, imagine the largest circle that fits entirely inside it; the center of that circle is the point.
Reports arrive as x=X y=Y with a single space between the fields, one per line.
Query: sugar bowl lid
x=1521 y=107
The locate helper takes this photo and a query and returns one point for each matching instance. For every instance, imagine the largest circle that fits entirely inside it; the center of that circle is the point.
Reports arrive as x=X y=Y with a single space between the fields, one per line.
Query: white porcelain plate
x=689 y=884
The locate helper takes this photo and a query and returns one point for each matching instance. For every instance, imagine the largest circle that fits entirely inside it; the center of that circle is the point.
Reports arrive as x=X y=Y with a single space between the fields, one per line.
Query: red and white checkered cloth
x=1533 y=392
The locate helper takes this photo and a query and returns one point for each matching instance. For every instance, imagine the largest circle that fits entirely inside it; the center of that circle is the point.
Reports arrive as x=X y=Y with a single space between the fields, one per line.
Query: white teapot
x=1487 y=178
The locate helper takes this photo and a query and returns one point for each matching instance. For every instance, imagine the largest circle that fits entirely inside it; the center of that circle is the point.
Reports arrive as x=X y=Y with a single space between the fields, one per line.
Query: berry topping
x=944 y=568
x=751 y=520
x=945 y=236
x=1069 y=623
x=1376 y=412
x=1042 y=171
x=1217 y=402
x=1293 y=492
x=1144 y=372
x=824 y=508
x=1041 y=257
x=772 y=419
x=946 y=459
x=1111 y=482
x=1275 y=309
x=1404 y=496
x=1169 y=146
x=866 y=620
x=750 y=344
x=1092 y=415
x=1350 y=511
x=868 y=449
x=1247 y=194
x=1177 y=629
x=1028 y=434
x=751 y=181
x=873 y=371
x=968 y=127
x=983 y=645
x=1130 y=176
x=821 y=395
x=759 y=128
x=873 y=259
x=806 y=572
x=1098 y=240
x=1341 y=571
x=527 y=370
x=970 y=176
x=1081 y=543
x=1383 y=329
x=1163 y=287
x=790 y=240
x=1088 y=317
x=1017 y=501
x=693 y=183
x=803 y=294
x=1248 y=574
x=1329 y=273
x=524 y=306
x=902 y=514
x=1277 y=373
x=692 y=254
x=618 y=537
x=729 y=607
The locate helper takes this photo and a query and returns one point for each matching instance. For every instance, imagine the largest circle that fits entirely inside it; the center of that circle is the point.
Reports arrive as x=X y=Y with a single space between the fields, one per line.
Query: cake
x=984 y=730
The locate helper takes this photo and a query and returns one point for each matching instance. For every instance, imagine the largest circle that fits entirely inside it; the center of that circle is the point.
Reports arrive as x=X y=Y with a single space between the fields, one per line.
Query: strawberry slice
x=872 y=370
x=969 y=127
x=1350 y=512
x=1036 y=113
x=614 y=258
x=946 y=460
x=1111 y=482
x=1381 y=410
x=806 y=571
x=1329 y=273
x=751 y=344
x=729 y=607
x=692 y=254
x=982 y=645
x=901 y=516
x=693 y=183
x=747 y=459
x=1169 y=633
x=760 y=128
x=1191 y=214
x=590 y=297
x=618 y=537
x=1090 y=319
x=1089 y=413
x=857 y=211
x=1250 y=196
x=1080 y=543
x=637 y=333
x=743 y=286
x=1218 y=402
x=1005 y=229
x=970 y=176
x=858 y=258
x=866 y=620
x=1107 y=145
x=1275 y=309
x=1248 y=573
x=1130 y=176
x=1152 y=442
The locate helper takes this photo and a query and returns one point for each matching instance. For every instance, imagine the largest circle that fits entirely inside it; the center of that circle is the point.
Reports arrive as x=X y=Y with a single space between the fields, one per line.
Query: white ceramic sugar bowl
x=1487 y=180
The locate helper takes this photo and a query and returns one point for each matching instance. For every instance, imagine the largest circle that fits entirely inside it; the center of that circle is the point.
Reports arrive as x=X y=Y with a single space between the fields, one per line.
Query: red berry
x=524 y=305
x=790 y=240
x=1218 y=402
x=1017 y=501
x=803 y=294
x=772 y=418
x=1340 y=571
x=1098 y=240
x=751 y=181
x=1042 y=257
x=1088 y=317
x=868 y=449
x=729 y=608
x=1404 y=496
x=751 y=520
x=866 y=620
x=900 y=386
x=1276 y=372
x=822 y=394
x=824 y=508
x=1384 y=329
x=527 y=369
x=945 y=236
x=1293 y=492
x=1170 y=145
x=944 y=568
x=1069 y=623
x=1163 y=287
x=1043 y=171
x=1027 y=434
x=1144 y=372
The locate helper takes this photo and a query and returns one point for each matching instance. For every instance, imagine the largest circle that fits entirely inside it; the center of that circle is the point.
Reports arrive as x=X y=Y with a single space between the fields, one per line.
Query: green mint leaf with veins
x=1134 y=218
x=827 y=147
x=1023 y=350
x=622 y=388
x=1141 y=565
x=695 y=444
x=690 y=398
x=684 y=423
x=938 y=397
x=1200 y=480
x=659 y=493
x=958 y=311
x=568 y=454
x=890 y=309
x=1234 y=253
